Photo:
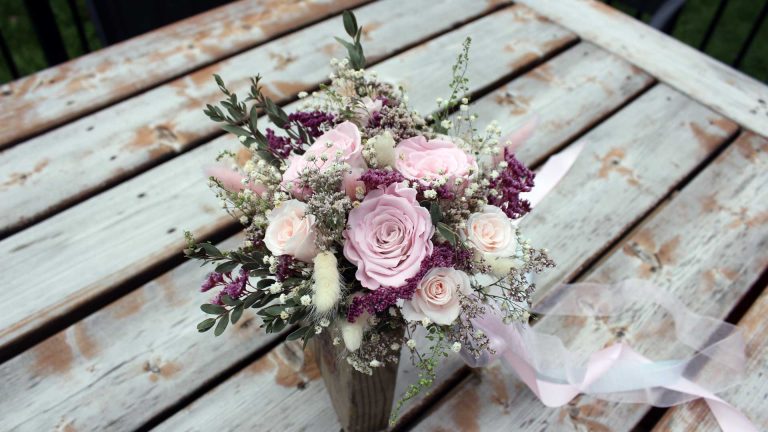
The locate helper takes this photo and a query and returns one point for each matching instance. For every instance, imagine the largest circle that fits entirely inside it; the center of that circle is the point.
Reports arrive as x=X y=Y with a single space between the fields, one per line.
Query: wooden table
x=100 y=173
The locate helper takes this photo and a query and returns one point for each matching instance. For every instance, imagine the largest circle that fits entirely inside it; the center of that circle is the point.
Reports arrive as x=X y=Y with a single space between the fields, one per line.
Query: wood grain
x=615 y=205
x=56 y=95
x=702 y=78
x=703 y=247
x=127 y=362
x=89 y=249
x=198 y=361
x=70 y=163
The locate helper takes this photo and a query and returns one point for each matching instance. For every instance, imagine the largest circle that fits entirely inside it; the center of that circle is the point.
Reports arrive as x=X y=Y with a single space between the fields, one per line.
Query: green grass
x=22 y=41
x=730 y=34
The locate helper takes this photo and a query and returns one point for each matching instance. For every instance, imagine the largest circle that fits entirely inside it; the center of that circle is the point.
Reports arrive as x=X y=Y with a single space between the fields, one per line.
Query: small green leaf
x=264 y=283
x=272 y=310
x=447 y=233
x=251 y=299
x=222 y=325
x=350 y=23
x=212 y=309
x=211 y=250
x=435 y=213
x=206 y=324
x=297 y=334
x=236 y=314
x=253 y=117
x=235 y=130
x=229 y=301
x=226 y=267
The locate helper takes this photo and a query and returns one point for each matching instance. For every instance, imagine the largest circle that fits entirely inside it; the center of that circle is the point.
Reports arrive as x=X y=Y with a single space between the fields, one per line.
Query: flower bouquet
x=367 y=223
x=374 y=232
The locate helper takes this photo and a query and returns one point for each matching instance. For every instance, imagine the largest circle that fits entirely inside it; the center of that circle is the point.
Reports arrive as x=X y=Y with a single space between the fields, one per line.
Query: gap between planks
x=79 y=72
x=63 y=308
x=602 y=59
x=167 y=121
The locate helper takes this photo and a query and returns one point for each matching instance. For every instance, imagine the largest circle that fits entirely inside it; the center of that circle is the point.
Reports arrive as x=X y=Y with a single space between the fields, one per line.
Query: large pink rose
x=437 y=296
x=388 y=236
x=341 y=144
x=420 y=160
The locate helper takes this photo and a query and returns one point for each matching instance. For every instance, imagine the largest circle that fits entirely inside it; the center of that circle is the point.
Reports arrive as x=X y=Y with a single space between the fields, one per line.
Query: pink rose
x=437 y=296
x=424 y=161
x=388 y=236
x=291 y=232
x=340 y=144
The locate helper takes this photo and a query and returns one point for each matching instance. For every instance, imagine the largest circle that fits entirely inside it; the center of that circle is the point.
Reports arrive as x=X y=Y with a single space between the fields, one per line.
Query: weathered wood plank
x=608 y=215
x=704 y=79
x=59 y=94
x=126 y=363
x=567 y=95
x=749 y=396
x=706 y=246
x=72 y=162
x=195 y=360
x=82 y=253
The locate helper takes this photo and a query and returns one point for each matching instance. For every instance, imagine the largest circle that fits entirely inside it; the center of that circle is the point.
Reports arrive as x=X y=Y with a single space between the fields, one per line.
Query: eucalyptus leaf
x=206 y=324
x=237 y=130
x=350 y=23
x=212 y=309
x=447 y=233
x=226 y=267
x=222 y=325
x=229 y=301
x=297 y=334
x=237 y=312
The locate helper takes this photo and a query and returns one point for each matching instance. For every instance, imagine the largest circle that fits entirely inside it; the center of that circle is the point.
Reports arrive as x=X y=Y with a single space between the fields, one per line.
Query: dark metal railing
x=107 y=14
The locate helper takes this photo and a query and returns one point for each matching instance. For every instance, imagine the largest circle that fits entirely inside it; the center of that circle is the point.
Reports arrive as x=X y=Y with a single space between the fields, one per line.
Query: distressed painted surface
x=69 y=163
x=126 y=363
x=83 y=252
x=317 y=412
x=567 y=95
x=751 y=395
x=703 y=246
x=566 y=90
x=56 y=95
x=704 y=79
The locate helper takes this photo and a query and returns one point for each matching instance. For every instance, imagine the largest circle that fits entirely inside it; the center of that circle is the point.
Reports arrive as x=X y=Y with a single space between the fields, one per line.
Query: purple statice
x=213 y=279
x=231 y=286
x=279 y=146
x=443 y=255
x=379 y=178
x=284 y=267
x=515 y=179
x=312 y=121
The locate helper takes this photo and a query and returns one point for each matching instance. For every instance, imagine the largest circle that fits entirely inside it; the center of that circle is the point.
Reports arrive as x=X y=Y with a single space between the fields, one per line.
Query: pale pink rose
x=437 y=296
x=340 y=144
x=362 y=114
x=419 y=159
x=388 y=236
x=290 y=231
x=492 y=234
x=232 y=180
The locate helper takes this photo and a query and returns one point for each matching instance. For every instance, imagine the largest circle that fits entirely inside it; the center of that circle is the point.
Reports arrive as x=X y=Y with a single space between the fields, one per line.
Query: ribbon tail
x=550 y=174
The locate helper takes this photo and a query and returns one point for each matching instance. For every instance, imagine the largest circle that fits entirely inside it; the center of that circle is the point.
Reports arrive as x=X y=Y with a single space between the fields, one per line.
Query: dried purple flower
x=379 y=178
x=515 y=178
x=284 y=269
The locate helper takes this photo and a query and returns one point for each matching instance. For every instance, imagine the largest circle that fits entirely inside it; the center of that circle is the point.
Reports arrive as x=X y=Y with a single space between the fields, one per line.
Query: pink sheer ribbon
x=715 y=350
x=714 y=362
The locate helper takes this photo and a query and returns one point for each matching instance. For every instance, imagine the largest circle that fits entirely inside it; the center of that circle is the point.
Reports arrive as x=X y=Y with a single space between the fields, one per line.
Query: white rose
x=291 y=232
x=437 y=296
x=492 y=234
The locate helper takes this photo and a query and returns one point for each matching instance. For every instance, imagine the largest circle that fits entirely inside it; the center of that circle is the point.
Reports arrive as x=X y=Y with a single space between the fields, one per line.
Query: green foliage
x=354 y=48
x=459 y=87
